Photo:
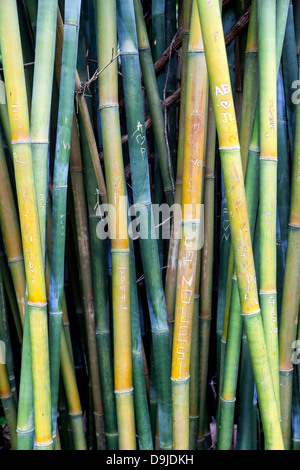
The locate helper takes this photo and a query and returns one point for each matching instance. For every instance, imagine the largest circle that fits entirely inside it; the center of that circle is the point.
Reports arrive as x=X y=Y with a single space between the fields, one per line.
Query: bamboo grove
x=150 y=225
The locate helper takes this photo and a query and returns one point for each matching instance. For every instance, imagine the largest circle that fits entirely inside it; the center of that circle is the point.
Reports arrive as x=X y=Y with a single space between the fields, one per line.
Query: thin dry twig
x=85 y=85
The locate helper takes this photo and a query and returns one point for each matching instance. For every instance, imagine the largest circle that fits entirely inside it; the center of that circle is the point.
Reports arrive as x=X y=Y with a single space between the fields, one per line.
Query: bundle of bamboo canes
x=150 y=221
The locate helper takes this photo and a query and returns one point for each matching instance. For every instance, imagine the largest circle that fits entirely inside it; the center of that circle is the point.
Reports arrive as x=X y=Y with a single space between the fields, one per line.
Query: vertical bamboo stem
x=109 y=114
x=19 y=122
x=194 y=153
x=215 y=51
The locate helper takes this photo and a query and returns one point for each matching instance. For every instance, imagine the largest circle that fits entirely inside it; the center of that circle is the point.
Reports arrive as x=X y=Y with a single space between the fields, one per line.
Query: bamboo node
x=24 y=431
x=37 y=304
x=228 y=400
x=181 y=379
x=44 y=444
x=269 y=292
x=249 y=314
x=122 y=392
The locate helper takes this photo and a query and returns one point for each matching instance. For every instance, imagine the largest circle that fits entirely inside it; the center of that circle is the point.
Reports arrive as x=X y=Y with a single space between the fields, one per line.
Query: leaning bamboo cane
x=235 y=324
x=250 y=87
x=210 y=19
x=60 y=182
x=18 y=114
x=109 y=114
x=194 y=153
x=142 y=199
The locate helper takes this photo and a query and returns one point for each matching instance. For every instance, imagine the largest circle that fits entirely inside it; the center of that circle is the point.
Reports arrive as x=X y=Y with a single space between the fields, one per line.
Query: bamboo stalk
x=268 y=182
x=109 y=114
x=41 y=104
x=291 y=293
x=101 y=298
x=171 y=274
x=250 y=86
x=18 y=114
x=59 y=195
x=11 y=235
x=142 y=202
x=8 y=404
x=205 y=314
x=235 y=194
x=194 y=154
x=81 y=219
x=154 y=103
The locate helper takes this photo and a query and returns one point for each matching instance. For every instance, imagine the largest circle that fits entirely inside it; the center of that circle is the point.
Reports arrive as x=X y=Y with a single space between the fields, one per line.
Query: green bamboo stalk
x=171 y=78
x=210 y=19
x=194 y=362
x=4 y=119
x=60 y=182
x=295 y=413
x=142 y=202
x=113 y=161
x=11 y=296
x=157 y=48
x=74 y=405
x=11 y=234
x=153 y=97
x=101 y=298
x=268 y=181
x=246 y=394
x=291 y=293
x=25 y=423
x=250 y=86
x=290 y=72
x=205 y=314
x=235 y=325
x=143 y=425
x=283 y=174
x=85 y=263
x=41 y=104
x=8 y=403
x=5 y=337
x=19 y=123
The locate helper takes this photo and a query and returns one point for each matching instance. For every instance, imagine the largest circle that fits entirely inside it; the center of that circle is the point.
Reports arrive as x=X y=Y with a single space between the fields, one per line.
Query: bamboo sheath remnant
x=211 y=25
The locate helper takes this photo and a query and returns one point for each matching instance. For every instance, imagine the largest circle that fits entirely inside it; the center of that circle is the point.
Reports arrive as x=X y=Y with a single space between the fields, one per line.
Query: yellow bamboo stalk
x=194 y=153
x=215 y=50
x=22 y=157
x=116 y=196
